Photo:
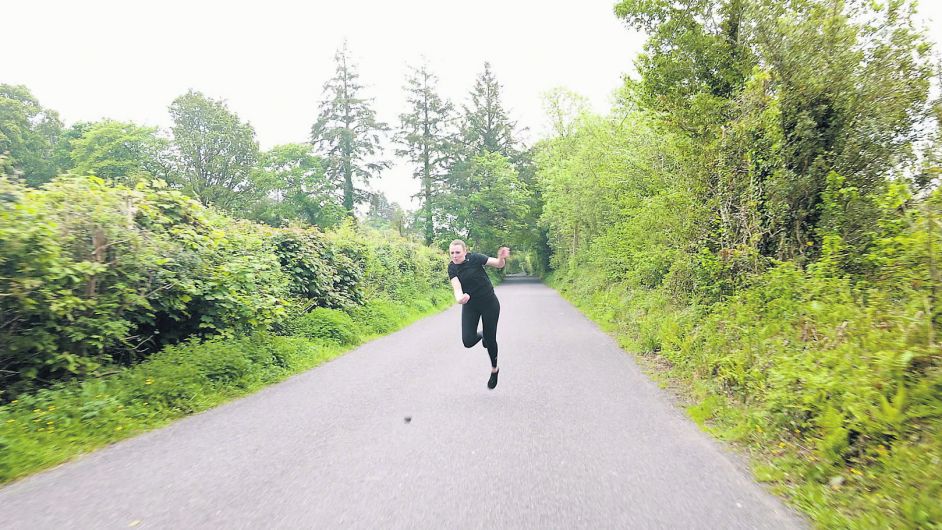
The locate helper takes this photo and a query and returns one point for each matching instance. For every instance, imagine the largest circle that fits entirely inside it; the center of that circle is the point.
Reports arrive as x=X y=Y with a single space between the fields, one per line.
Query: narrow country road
x=574 y=436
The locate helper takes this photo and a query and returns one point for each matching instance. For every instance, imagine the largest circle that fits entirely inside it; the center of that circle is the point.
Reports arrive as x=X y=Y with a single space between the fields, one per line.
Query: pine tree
x=347 y=133
x=486 y=127
x=427 y=141
x=484 y=187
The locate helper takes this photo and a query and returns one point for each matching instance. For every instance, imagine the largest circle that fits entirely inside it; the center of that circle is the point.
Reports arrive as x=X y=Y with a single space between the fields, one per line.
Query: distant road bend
x=573 y=436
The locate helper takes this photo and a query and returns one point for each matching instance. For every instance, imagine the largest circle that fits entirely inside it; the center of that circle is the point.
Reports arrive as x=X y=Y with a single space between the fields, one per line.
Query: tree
x=696 y=58
x=427 y=142
x=488 y=201
x=383 y=214
x=852 y=89
x=28 y=134
x=120 y=152
x=563 y=108
x=346 y=133
x=293 y=186
x=777 y=95
x=215 y=151
x=486 y=127
x=494 y=209
x=63 y=151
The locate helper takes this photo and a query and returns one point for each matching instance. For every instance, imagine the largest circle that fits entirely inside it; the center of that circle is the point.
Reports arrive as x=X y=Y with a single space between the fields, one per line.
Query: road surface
x=574 y=436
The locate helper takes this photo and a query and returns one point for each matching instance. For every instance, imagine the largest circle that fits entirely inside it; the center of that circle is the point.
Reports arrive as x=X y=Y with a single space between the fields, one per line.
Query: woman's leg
x=470 y=315
x=490 y=314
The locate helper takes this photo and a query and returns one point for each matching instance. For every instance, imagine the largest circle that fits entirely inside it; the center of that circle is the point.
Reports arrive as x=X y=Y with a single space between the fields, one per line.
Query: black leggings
x=486 y=308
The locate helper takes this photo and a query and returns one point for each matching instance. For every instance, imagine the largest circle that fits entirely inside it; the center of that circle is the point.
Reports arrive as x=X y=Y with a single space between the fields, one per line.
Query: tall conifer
x=347 y=133
x=427 y=141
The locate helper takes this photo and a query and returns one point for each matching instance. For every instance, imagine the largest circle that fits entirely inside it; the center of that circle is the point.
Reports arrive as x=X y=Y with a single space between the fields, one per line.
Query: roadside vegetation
x=758 y=218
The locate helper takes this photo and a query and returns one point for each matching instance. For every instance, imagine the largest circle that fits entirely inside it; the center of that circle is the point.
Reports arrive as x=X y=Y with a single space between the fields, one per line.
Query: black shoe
x=492 y=382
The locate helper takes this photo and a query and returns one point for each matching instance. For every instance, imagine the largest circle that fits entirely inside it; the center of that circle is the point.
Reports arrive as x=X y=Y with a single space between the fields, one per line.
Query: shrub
x=376 y=316
x=325 y=324
x=97 y=273
x=94 y=274
x=303 y=256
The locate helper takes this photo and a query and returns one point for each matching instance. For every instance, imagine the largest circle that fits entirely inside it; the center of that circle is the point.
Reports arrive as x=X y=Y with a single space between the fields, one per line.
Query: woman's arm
x=501 y=258
x=460 y=297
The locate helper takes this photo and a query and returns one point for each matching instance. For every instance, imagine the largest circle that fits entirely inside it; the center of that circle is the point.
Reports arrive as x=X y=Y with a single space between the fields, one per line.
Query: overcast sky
x=127 y=60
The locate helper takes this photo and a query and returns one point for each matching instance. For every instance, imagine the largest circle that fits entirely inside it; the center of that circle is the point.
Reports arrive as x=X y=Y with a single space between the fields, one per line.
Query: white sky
x=127 y=60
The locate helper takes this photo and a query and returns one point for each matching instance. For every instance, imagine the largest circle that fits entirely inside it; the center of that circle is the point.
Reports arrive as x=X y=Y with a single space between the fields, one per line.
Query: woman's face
x=457 y=254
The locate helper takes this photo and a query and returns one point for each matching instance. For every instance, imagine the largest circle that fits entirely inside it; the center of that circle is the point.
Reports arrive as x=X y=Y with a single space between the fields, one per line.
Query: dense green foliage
x=291 y=186
x=119 y=152
x=29 y=135
x=214 y=151
x=96 y=274
x=325 y=324
x=759 y=212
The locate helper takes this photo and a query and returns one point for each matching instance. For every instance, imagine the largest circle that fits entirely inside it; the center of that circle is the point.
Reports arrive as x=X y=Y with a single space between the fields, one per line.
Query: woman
x=473 y=290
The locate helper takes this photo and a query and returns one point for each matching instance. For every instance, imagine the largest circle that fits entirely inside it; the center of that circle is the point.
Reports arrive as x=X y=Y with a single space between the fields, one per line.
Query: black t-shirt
x=470 y=273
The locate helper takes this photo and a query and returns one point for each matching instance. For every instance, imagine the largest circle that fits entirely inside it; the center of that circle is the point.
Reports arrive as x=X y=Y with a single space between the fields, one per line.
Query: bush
x=98 y=273
x=303 y=254
x=324 y=324
x=376 y=316
x=95 y=274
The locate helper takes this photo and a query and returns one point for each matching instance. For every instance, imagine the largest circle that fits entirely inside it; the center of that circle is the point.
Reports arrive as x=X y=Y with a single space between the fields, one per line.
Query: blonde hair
x=458 y=242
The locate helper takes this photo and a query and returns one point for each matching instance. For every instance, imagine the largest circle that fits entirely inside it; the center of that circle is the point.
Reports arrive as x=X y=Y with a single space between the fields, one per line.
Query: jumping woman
x=473 y=290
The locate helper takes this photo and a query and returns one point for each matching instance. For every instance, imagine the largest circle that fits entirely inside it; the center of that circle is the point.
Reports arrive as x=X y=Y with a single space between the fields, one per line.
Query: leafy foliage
x=124 y=153
x=95 y=274
x=215 y=151
x=325 y=324
x=754 y=217
x=28 y=134
x=494 y=208
x=291 y=186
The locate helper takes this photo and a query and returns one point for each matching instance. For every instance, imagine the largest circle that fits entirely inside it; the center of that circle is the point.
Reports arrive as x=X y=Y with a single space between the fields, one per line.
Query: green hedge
x=93 y=275
x=328 y=325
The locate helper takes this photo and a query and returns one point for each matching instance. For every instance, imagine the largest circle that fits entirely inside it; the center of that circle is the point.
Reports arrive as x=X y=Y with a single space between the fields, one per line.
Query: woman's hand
x=503 y=253
x=464 y=298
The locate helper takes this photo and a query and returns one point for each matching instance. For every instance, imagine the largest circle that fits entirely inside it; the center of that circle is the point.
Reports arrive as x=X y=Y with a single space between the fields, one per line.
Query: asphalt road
x=574 y=436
